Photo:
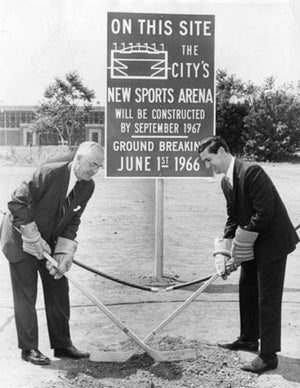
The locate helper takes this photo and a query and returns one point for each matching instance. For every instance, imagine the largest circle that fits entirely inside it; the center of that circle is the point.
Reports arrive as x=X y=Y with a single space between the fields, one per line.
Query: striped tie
x=68 y=200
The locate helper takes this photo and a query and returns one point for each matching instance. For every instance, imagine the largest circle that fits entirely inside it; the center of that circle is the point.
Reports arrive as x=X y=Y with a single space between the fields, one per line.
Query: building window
x=29 y=138
x=95 y=136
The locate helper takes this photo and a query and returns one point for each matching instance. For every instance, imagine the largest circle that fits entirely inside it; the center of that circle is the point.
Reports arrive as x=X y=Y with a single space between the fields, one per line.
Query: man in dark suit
x=258 y=236
x=44 y=215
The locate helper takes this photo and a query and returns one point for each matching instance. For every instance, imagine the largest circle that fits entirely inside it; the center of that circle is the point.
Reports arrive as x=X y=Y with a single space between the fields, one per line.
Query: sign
x=160 y=94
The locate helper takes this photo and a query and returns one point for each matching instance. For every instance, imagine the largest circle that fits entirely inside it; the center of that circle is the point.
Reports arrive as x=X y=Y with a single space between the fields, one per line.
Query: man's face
x=216 y=161
x=86 y=166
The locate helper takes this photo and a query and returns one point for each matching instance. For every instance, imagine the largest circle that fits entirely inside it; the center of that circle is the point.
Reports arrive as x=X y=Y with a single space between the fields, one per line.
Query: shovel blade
x=112 y=356
x=176 y=355
x=161 y=356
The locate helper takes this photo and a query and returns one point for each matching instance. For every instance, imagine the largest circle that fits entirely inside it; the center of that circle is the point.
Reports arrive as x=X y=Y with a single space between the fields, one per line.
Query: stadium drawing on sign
x=139 y=62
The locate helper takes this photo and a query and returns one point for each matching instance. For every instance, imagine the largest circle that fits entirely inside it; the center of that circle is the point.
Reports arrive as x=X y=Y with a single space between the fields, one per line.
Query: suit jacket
x=255 y=205
x=40 y=199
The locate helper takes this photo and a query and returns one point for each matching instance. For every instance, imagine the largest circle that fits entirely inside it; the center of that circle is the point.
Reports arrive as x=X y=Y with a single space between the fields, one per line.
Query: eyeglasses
x=93 y=165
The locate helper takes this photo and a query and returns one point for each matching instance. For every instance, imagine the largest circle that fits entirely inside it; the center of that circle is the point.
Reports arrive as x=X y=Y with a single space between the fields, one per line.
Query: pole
x=159 y=226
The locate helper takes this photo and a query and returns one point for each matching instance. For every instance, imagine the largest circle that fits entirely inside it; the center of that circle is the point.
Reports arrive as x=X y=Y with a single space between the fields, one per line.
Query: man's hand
x=64 y=264
x=33 y=243
x=222 y=249
x=220 y=264
x=63 y=253
x=51 y=268
x=231 y=266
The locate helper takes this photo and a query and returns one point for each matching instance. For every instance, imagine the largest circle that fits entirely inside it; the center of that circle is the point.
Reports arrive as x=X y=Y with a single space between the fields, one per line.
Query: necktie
x=68 y=200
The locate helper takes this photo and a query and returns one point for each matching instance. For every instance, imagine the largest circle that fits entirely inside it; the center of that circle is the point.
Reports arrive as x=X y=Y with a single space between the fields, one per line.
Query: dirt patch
x=212 y=368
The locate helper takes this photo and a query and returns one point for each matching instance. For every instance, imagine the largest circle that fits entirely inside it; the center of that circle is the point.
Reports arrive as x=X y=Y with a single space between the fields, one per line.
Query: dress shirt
x=73 y=179
x=229 y=172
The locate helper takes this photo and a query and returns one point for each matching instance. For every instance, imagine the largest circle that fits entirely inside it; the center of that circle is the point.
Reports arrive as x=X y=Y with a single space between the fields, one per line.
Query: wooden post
x=159 y=226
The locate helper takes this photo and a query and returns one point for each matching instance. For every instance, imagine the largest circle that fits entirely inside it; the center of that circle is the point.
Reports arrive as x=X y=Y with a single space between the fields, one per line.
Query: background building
x=16 y=127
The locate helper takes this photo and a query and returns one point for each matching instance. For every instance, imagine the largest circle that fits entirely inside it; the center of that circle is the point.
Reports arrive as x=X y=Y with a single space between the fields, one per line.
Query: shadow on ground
x=101 y=370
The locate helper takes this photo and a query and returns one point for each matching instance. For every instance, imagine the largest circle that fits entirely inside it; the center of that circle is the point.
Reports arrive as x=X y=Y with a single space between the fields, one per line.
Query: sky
x=44 y=39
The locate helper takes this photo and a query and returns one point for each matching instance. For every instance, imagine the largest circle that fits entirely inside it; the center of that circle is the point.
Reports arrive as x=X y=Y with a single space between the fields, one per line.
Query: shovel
x=166 y=356
x=125 y=356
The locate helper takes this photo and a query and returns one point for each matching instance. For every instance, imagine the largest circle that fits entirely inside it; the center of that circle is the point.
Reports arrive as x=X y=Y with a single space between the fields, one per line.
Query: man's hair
x=87 y=146
x=213 y=144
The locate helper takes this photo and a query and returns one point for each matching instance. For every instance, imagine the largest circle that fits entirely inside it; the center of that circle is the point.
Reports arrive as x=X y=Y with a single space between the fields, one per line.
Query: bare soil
x=117 y=237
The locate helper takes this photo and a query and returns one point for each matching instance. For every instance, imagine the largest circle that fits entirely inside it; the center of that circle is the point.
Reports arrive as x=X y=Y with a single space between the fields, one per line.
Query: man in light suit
x=44 y=215
x=258 y=236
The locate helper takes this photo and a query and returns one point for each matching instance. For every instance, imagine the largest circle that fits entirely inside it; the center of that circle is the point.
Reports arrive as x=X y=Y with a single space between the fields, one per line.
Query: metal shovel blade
x=165 y=356
x=112 y=356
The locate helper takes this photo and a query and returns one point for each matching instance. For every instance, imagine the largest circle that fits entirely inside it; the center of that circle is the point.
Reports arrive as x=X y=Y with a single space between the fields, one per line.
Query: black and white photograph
x=150 y=194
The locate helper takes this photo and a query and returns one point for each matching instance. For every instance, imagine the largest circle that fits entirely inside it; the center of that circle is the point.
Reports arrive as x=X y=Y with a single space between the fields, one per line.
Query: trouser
x=260 y=294
x=24 y=279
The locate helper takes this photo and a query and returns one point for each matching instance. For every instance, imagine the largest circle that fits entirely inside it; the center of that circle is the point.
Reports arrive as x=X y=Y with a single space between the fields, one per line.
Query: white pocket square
x=77 y=208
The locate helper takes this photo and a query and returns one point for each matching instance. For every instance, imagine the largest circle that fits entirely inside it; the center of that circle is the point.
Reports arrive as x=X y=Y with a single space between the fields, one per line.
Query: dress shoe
x=70 y=352
x=35 y=357
x=258 y=365
x=241 y=344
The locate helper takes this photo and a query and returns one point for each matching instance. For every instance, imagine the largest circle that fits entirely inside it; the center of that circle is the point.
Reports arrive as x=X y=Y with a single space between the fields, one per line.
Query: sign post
x=159 y=227
x=160 y=97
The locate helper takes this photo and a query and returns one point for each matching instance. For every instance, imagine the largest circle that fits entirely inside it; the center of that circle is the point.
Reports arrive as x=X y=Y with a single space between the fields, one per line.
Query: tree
x=62 y=113
x=273 y=123
x=233 y=101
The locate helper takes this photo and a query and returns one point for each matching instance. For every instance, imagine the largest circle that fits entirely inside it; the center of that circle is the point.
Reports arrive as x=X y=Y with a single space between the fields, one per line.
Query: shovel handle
x=182 y=306
x=154 y=354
